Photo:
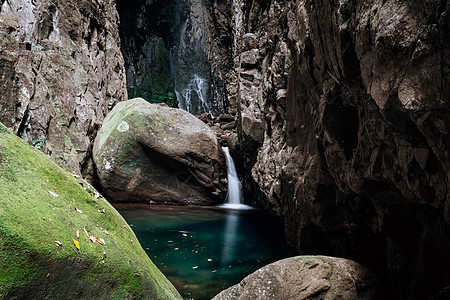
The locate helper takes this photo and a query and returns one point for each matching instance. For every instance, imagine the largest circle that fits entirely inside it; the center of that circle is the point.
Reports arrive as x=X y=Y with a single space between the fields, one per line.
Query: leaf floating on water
x=79 y=211
x=184 y=234
x=209 y=259
x=75 y=242
x=195 y=267
x=53 y=194
x=58 y=243
x=78 y=234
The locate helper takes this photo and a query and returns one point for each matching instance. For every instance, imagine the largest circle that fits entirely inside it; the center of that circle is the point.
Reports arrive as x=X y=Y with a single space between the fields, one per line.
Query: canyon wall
x=61 y=72
x=177 y=47
x=342 y=108
x=343 y=111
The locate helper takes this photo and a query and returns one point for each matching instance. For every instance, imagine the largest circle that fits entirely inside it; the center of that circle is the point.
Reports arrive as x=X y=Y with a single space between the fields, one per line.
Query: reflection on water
x=231 y=225
x=205 y=250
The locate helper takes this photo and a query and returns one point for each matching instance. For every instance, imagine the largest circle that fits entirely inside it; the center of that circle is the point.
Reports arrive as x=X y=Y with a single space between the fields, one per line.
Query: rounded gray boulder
x=307 y=277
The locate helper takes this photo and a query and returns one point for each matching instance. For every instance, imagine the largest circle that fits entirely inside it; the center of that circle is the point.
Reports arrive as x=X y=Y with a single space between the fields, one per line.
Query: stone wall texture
x=348 y=105
x=61 y=72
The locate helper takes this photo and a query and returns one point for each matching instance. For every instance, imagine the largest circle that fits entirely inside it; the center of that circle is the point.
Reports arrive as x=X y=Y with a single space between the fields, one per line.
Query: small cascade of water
x=234 y=199
x=198 y=85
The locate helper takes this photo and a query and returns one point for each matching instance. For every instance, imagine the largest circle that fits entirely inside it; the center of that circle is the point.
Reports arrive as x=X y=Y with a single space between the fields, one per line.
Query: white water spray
x=197 y=85
x=234 y=199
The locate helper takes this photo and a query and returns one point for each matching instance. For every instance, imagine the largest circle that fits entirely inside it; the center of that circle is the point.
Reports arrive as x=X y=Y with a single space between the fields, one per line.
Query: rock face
x=307 y=277
x=201 y=55
x=148 y=152
x=146 y=35
x=347 y=105
x=197 y=34
x=41 y=208
x=61 y=71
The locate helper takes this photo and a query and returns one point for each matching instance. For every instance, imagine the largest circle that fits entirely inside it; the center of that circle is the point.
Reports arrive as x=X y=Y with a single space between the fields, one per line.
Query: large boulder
x=41 y=255
x=307 y=277
x=151 y=152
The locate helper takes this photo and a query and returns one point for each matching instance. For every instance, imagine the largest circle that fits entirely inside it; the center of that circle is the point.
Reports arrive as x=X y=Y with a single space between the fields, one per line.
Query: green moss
x=40 y=203
x=156 y=85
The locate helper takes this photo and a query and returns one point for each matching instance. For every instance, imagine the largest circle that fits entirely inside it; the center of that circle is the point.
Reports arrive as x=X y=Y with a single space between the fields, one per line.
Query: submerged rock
x=149 y=152
x=49 y=220
x=307 y=277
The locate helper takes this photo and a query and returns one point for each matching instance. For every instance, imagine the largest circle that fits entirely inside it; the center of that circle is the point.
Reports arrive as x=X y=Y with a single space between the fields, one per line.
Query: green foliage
x=39 y=143
x=260 y=30
x=156 y=84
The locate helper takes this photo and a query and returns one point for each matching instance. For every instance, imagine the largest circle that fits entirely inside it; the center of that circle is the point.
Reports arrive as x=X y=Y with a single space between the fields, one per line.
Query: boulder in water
x=150 y=152
x=307 y=277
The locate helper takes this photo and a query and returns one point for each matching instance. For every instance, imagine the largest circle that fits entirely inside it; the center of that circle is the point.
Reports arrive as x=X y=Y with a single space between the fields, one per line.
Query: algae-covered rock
x=307 y=277
x=41 y=209
x=148 y=152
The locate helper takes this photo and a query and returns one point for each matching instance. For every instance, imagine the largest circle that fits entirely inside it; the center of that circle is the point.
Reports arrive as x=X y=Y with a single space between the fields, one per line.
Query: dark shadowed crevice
x=342 y=122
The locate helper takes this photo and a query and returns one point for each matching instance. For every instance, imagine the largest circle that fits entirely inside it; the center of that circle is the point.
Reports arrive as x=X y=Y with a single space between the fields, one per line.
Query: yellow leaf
x=76 y=244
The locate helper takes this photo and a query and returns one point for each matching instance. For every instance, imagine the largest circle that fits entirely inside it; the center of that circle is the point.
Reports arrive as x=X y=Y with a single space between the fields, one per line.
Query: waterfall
x=234 y=199
x=190 y=67
x=198 y=85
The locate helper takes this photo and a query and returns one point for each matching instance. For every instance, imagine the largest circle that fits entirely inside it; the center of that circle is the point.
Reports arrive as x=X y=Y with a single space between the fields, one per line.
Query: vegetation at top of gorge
x=146 y=29
x=60 y=238
x=153 y=80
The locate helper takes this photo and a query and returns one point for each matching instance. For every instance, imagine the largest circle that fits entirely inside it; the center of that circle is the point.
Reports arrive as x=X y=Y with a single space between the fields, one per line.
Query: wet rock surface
x=343 y=111
x=61 y=71
x=152 y=153
x=307 y=277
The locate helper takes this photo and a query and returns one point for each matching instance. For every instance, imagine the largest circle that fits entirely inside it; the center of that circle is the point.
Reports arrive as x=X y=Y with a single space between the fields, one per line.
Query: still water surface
x=203 y=250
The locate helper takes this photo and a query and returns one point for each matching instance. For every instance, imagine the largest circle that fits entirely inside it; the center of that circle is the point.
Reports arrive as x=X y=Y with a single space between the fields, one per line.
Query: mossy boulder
x=41 y=209
x=151 y=152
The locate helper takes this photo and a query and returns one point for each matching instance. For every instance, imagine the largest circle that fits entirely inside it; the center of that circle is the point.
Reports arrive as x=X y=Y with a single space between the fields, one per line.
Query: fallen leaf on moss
x=75 y=242
x=85 y=231
x=78 y=210
x=102 y=211
x=98 y=241
x=78 y=234
x=93 y=238
x=53 y=194
x=58 y=243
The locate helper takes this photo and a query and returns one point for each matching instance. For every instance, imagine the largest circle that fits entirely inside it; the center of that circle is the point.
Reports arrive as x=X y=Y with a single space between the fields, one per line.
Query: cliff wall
x=348 y=105
x=61 y=72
